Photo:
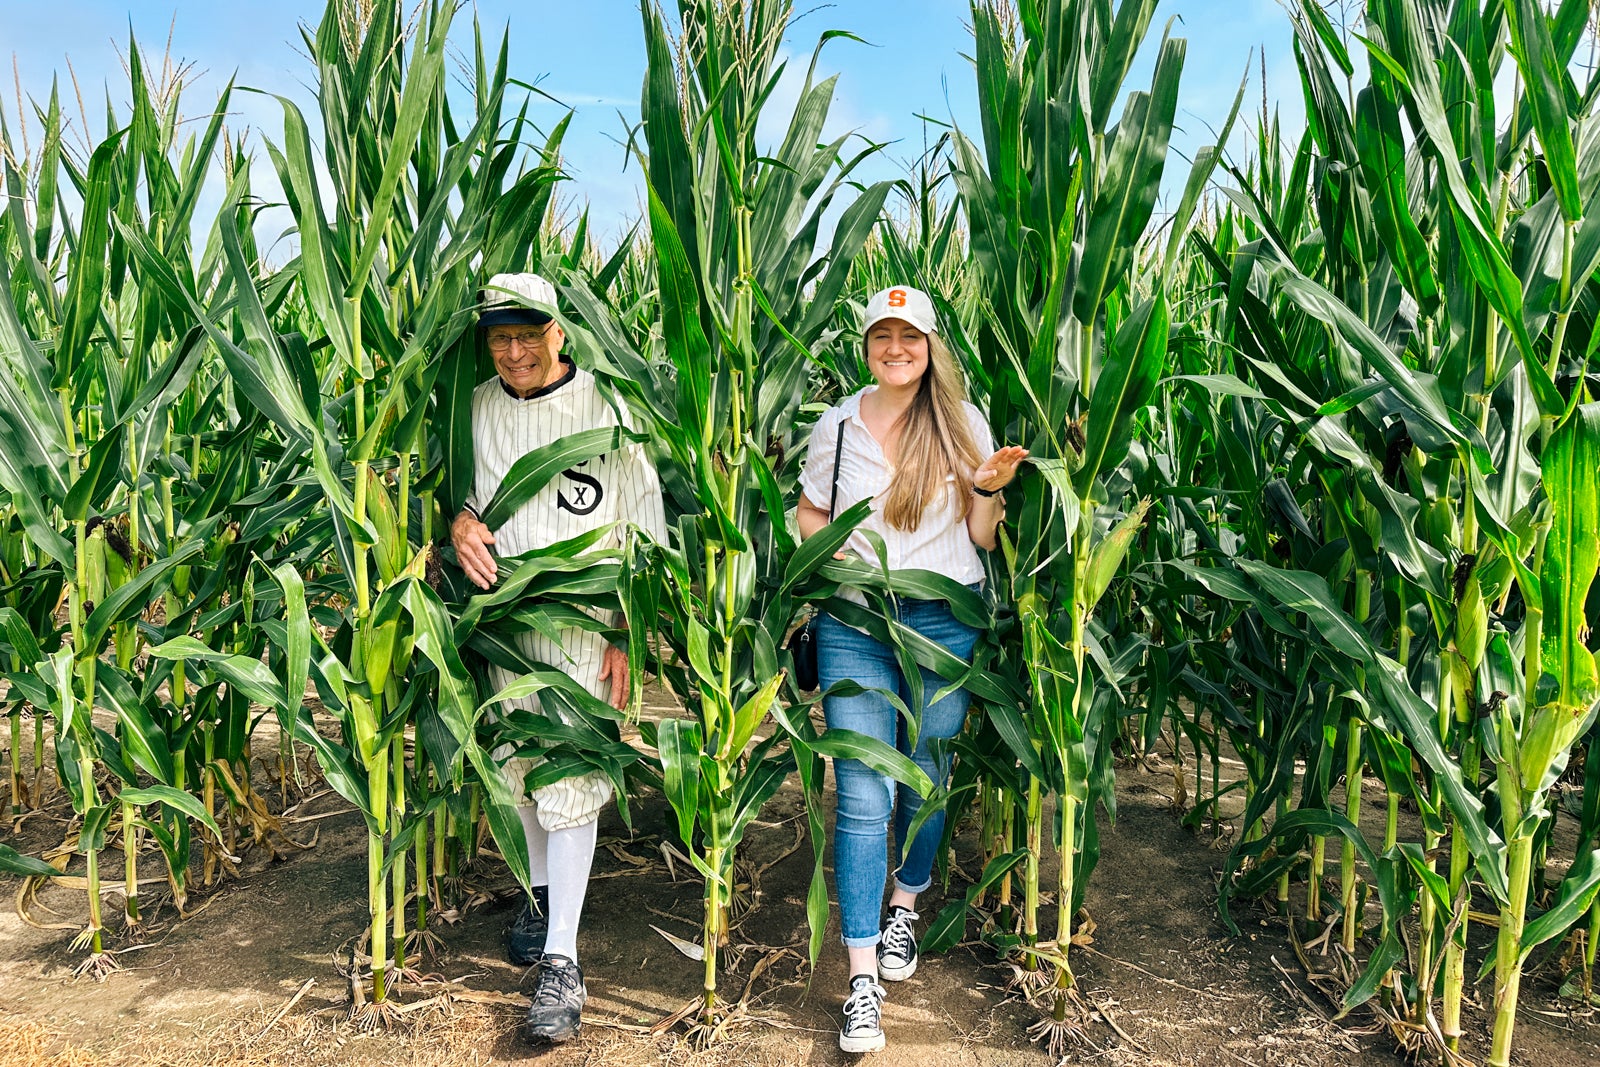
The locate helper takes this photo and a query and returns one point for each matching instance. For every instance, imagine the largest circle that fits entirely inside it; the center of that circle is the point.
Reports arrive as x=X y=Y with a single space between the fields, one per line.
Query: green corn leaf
x=574 y=556
x=1327 y=35
x=848 y=744
x=749 y=716
x=1544 y=77
x=176 y=799
x=1420 y=390
x=16 y=637
x=1482 y=251
x=458 y=708
x=248 y=676
x=670 y=167
x=679 y=741
x=1574 y=898
x=1383 y=163
x=760 y=783
x=30 y=499
x=27 y=401
x=14 y=862
x=99 y=475
x=417 y=104
x=142 y=738
x=1131 y=181
x=322 y=280
x=818 y=549
x=1113 y=60
x=92 y=832
x=533 y=472
x=947 y=927
x=526 y=686
x=452 y=422
x=1571 y=470
x=1126 y=384
x=1205 y=164
x=297 y=649
x=965 y=604
x=86 y=280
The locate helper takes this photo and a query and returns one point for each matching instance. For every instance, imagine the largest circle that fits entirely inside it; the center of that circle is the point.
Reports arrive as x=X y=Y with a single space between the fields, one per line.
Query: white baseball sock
x=538 y=844
x=571 y=852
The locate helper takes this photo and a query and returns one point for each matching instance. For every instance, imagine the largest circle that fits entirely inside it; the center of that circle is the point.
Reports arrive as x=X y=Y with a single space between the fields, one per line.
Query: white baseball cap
x=901 y=302
x=507 y=300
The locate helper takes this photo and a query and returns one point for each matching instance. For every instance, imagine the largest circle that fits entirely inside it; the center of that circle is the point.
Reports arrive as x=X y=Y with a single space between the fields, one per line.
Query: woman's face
x=897 y=352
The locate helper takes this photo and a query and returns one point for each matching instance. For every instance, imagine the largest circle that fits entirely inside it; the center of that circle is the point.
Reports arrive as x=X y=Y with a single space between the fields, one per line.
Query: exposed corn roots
x=98 y=966
x=370 y=1016
x=1064 y=1026
x=1028 y=981
x=424 y=943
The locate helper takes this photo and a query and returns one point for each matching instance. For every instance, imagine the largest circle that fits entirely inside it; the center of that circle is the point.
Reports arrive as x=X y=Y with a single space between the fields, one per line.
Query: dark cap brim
x=512 y=317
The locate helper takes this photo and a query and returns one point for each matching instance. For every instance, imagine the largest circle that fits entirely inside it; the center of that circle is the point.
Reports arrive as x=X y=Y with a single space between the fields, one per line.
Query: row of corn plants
x=1396 y=391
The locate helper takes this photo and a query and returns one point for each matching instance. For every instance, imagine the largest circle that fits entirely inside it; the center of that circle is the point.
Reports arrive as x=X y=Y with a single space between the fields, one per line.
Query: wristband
x=470 y=510
x=986 y=492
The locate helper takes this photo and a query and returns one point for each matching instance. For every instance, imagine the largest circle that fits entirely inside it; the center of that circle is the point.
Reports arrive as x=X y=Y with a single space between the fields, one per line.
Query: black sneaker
x=863 y=1016
x=525 y=936
x=556 y=1014
x=897 y=951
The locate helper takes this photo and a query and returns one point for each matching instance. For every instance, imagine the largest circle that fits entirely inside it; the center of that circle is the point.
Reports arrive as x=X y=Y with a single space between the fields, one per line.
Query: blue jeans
x=867 y=798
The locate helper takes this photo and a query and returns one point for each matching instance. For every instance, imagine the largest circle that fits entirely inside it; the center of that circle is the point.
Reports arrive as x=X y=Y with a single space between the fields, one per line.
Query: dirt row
x=253 y=974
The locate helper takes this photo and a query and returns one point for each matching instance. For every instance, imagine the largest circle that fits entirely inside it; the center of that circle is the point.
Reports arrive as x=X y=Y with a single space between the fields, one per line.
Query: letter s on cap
x=897 y=298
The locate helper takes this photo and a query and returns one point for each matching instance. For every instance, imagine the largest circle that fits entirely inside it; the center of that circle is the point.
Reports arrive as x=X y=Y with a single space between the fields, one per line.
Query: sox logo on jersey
x=586 y=494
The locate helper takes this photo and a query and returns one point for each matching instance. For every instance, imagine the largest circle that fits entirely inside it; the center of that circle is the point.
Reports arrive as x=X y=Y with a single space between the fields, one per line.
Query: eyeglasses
x=530 y=339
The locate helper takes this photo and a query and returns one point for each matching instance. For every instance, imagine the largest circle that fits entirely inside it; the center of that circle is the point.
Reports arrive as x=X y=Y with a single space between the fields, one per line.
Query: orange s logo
x=897 y=298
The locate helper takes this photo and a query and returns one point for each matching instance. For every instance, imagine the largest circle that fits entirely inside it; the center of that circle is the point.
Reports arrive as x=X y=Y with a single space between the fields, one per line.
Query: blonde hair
x=935 y=431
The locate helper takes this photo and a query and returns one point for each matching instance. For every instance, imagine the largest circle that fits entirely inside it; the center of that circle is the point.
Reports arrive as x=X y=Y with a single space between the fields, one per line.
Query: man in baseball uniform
x=537 y=397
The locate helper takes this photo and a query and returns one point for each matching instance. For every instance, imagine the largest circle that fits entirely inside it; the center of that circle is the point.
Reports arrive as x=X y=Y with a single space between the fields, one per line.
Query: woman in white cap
x=916 y=448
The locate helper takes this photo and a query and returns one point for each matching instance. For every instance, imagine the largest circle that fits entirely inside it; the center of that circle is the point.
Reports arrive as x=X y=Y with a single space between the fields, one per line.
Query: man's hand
x=615 y=667
x=472 y=540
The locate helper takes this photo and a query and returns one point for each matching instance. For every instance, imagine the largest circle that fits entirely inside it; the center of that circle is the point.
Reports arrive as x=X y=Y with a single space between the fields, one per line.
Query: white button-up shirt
x=940 y=543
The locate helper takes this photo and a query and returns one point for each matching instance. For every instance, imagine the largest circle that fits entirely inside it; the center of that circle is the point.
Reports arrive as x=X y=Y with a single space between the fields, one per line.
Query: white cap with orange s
x=901 y=302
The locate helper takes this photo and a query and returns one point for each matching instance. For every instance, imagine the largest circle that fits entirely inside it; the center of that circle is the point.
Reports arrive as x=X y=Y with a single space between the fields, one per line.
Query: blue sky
x=590 y=55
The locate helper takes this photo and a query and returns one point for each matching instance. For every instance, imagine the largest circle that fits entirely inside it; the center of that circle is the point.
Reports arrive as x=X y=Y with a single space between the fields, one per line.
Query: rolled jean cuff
x=898 y=884
x=862 y=942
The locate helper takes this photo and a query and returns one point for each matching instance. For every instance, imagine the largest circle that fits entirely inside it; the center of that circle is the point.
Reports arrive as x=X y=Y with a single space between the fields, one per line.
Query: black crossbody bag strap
x=838 y=450
x=802 y=643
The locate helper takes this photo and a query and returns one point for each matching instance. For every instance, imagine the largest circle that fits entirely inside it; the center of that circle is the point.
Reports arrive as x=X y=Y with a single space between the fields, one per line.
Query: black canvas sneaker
x=863 y=1016
x=525 y=936
x=897 y=951
x=556 y=1013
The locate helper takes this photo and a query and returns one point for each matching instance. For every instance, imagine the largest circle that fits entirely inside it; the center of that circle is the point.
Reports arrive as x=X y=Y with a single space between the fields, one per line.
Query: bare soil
x=1169 y=984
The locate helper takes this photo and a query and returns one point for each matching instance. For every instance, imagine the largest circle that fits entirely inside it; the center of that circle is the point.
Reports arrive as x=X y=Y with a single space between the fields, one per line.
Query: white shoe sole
x=896 y=974
x=861 y=1044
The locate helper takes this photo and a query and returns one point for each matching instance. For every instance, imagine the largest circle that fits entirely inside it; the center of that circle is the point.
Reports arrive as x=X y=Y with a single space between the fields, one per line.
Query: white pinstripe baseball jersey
x=619 y=485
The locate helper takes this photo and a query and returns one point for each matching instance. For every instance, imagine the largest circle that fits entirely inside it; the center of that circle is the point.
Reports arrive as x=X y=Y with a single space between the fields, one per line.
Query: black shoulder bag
x=802 y=644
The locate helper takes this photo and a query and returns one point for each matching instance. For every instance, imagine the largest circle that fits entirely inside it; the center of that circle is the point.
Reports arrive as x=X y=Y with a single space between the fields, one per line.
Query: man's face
x=526 y=357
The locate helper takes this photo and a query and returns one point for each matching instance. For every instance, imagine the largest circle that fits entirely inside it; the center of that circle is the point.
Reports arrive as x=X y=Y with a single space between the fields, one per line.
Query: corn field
x=1314 y=479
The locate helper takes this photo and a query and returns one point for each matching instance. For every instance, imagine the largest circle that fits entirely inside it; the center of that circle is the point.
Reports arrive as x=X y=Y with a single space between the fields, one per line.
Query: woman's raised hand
x=998 y=470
